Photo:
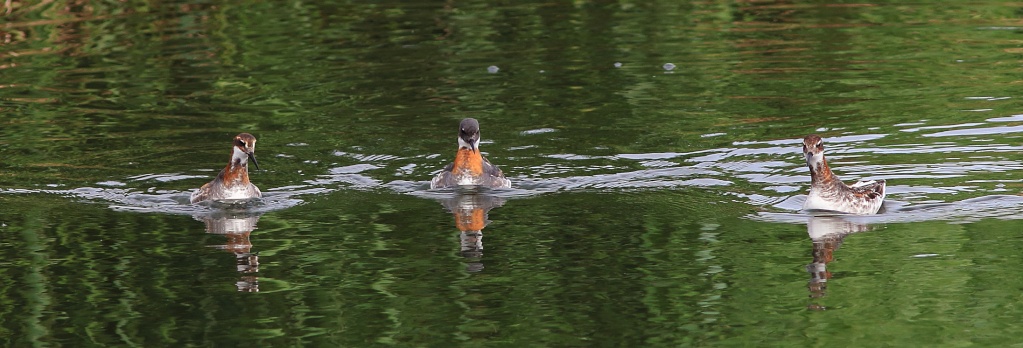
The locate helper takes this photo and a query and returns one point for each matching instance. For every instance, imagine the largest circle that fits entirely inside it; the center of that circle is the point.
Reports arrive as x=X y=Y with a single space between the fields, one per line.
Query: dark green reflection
x=353 y=101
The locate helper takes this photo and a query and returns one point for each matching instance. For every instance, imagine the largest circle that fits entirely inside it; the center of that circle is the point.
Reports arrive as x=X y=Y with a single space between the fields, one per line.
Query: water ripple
x=764 y=173
x=978 y=131
x=168 y=202
x=1003 y=207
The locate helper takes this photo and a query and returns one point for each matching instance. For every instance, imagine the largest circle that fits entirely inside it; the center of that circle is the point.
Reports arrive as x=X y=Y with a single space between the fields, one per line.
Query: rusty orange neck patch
x=234 y=174
x=468 y=160
x=822 y=173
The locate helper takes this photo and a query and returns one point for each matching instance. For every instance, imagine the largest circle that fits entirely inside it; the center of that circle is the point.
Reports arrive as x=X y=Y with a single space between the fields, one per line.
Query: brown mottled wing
x=491 y=170
x=871 y=195
x=206 y=191
x=202 y=194
x=870 y=190
x=878 y=190
x=448 y=168
x=444 y=178
x=495 y=175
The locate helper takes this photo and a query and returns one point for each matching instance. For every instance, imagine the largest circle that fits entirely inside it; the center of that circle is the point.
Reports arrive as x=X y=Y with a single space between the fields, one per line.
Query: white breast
x=815 y=200
x=241 y=192
x=466 y=180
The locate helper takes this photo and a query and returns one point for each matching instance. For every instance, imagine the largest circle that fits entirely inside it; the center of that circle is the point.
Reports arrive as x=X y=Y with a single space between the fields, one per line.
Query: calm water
x=654 y=204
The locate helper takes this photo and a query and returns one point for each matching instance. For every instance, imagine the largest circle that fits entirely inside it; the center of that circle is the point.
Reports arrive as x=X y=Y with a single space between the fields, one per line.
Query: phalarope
x=470 y=168
x=828 y=192
x=233 y=180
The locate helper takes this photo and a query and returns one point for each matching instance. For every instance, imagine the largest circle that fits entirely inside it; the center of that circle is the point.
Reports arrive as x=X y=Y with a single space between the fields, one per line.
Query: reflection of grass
x=117 y=90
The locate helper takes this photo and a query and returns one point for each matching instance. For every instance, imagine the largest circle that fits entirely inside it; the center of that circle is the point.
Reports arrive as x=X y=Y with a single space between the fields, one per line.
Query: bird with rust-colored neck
x=233 y=181
x=828 y=192
x=470 y=168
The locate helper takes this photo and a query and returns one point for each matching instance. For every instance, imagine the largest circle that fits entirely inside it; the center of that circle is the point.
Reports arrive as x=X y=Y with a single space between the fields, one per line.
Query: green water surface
x=653 y=205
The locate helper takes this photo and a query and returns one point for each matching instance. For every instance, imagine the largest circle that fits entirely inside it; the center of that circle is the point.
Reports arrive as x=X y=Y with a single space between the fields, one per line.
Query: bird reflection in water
x=236 y=225
x=470 y=211
x=827 y=234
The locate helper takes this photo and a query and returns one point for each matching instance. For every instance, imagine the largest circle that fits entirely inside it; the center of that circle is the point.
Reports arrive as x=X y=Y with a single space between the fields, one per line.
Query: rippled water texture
x=654 y=148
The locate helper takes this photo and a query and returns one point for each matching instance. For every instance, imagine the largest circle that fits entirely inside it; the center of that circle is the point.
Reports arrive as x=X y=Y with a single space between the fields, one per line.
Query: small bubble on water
x=542 y=71
x=668 y=66
x=493 y=69
x=618 y=64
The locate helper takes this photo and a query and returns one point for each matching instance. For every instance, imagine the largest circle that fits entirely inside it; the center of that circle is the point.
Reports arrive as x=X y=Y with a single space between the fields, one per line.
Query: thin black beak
x=252 y=157
x=471 y=140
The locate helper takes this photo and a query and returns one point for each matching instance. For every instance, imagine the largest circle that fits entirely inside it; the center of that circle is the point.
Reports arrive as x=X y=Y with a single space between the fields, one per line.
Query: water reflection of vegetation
x=218 y=66
x=103 y=91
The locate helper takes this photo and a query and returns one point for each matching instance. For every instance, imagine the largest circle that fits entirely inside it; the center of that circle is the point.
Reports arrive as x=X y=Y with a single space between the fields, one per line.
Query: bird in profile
x=233 y=181
x=469 y=167
x=828 y=192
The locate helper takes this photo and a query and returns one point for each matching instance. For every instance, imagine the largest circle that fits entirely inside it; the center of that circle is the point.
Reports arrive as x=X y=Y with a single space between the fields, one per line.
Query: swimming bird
x=233 y=181
x=470 y=168
x=828 y=192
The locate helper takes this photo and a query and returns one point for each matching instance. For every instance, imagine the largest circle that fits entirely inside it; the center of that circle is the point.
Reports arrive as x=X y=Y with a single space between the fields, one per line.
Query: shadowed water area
x=653 y=146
